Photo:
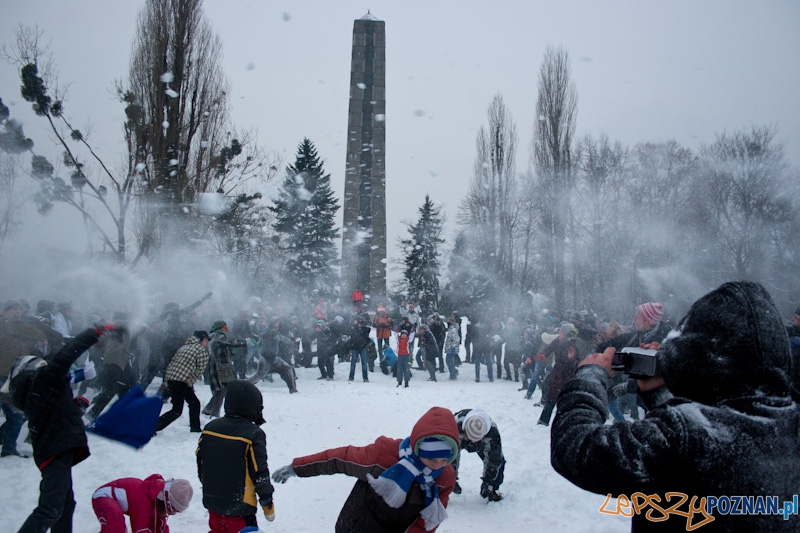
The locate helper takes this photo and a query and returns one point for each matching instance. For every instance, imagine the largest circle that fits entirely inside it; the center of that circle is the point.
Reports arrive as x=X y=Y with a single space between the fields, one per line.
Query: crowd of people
x=563 y=358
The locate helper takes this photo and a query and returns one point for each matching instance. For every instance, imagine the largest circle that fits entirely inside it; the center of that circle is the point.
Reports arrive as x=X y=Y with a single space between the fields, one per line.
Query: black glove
x=283 y=473
x=207 y=295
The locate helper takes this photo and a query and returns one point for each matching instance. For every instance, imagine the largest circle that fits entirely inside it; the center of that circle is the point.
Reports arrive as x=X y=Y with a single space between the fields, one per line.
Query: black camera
x=638 y=363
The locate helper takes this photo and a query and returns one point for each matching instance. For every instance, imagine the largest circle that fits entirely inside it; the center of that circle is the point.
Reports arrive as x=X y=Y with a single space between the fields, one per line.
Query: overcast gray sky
x=644 y=71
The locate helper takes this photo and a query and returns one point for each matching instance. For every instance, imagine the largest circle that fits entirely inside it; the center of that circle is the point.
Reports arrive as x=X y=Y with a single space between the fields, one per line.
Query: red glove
x=100 y=330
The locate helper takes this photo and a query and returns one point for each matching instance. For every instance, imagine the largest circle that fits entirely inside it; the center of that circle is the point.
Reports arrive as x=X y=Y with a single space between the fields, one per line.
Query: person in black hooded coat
x=57 y=432
x=232 y=461
x=721 y=420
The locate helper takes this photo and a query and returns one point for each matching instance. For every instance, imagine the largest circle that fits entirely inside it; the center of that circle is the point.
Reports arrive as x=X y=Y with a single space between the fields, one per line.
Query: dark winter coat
x=273 y=343
x=480 y=341
x=220 y=358
x=45 y=396
x=17 y=339
x=115 y=346
x=489 y=448
x=365 y=511
x=326 y=342
x=439 y=330
x=566 y=360
x=731 y=428
x=429 y=346
x=359 y=336
x=794 y=341
x=232 y=455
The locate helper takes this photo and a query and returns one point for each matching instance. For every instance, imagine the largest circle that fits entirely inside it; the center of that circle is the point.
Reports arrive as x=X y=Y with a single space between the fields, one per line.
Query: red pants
x=110 y=515
x=220 y=523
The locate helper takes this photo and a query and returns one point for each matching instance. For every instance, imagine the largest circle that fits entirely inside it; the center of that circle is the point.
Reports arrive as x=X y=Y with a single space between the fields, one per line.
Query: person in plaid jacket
x=185 y=369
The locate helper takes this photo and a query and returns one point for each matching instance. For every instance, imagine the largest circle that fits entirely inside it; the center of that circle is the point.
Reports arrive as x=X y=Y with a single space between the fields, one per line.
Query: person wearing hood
x=403 y=485
x=42 y=391
x=721 y=421
x=478 y=433
x=232 y=462
x=148 y=502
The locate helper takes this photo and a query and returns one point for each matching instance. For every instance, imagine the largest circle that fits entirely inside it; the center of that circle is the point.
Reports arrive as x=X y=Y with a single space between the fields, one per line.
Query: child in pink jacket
x=147 y=502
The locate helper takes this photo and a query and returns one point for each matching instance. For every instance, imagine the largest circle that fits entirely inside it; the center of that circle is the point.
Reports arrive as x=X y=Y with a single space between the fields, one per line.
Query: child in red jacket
x=147 y=502
x=403 y=484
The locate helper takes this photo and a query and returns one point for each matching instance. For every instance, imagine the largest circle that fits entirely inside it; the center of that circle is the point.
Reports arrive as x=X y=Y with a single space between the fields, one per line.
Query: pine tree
x=421 y=252
x=304 y=220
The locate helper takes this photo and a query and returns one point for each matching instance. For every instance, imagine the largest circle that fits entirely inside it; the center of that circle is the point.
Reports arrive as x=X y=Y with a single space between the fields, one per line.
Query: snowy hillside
x=326 y=414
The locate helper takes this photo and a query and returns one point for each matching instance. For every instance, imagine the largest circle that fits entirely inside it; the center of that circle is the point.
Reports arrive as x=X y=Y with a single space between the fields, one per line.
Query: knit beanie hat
x=651 y=312
x=433 y=448
x=797 y=311
x=477 y=424
x=218 y=325
x=177 y=494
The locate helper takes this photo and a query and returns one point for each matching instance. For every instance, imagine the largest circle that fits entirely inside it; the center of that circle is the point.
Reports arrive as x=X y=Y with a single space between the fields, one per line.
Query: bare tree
x=598 y=229
x=554 y=129
x=29 y=53
x=177 y=109
x=490 y=205
x=740 y=194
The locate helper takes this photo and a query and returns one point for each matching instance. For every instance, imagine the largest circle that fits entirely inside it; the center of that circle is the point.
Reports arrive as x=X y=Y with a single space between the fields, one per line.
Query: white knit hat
x=477 y=424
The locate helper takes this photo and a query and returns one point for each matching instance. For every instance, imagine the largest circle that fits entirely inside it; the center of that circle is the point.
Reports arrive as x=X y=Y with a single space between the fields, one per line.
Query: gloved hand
x=103 y=328
x=488 y=492
x=795 y=341
x=269 y=511
x=283 y=473
x=207 y=295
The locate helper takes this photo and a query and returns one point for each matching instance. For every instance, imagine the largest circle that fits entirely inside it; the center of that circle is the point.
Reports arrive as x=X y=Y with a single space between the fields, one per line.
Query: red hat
x=651 y=312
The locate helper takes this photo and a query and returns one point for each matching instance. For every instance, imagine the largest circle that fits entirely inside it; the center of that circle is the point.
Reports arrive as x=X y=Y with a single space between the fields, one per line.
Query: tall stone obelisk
x=364 y=224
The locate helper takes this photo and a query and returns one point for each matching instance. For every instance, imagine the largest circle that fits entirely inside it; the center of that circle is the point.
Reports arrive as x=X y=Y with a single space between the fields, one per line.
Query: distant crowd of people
x=731 y=356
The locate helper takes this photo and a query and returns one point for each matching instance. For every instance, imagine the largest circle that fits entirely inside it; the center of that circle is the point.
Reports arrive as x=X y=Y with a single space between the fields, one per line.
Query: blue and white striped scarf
x=393 y=485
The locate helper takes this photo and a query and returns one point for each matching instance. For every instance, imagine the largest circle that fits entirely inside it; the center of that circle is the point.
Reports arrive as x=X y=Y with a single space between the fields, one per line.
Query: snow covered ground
x=327 y=414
